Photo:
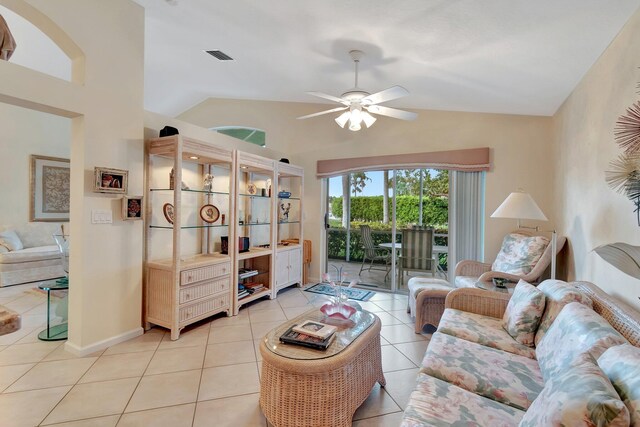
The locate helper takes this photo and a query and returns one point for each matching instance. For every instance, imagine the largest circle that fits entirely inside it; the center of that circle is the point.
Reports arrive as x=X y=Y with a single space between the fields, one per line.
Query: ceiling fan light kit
x=359 y=103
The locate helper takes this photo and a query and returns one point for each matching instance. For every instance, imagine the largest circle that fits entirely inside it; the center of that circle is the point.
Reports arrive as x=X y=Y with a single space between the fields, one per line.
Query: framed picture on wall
x=109 y=180
x=132 y=208
x=49 y=188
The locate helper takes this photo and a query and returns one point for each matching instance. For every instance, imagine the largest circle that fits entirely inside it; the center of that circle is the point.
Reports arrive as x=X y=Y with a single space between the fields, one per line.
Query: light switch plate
x=100 y=216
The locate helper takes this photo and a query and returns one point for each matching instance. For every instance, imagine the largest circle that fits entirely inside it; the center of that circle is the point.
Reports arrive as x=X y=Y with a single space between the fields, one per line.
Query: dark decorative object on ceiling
x=627 y=130
x=283 y=160
x=624 y=178
x=168 y=131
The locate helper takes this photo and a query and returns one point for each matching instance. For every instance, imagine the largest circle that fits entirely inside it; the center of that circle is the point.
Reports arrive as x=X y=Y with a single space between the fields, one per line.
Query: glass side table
x=56 y=332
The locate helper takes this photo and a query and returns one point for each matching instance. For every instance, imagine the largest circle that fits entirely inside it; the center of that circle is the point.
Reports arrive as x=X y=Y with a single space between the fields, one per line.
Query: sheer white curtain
x=466 y=218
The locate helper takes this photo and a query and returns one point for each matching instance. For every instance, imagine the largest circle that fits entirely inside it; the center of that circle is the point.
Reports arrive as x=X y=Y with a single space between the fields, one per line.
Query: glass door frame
x=392 y=216
x=394 y=285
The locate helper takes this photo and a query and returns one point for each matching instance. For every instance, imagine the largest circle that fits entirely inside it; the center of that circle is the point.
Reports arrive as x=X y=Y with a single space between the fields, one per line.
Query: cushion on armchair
x=523 y=313
x=576 y=330
x=579 y=396
x=519 y=253
x=620 y=364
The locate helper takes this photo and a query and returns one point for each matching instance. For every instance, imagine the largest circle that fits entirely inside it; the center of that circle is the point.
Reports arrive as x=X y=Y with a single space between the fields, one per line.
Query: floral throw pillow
x=558 y=295
x=580 y=396
x=622 y=365
x=576 y=330
x=523 y=314
x=519 y=253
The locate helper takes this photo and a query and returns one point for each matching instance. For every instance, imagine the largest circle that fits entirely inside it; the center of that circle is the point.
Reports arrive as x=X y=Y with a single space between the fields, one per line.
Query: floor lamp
x=520 y=205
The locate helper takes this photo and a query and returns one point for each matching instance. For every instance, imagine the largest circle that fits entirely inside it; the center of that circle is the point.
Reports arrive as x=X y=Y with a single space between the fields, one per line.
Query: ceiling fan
x=360 y=103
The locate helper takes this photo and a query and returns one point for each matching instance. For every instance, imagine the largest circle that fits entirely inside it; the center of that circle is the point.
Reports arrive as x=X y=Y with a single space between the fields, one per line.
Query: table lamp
x=520 y=205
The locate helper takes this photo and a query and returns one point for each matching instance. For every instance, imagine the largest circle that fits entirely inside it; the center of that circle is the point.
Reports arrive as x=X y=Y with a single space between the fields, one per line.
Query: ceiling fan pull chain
x=357 y=61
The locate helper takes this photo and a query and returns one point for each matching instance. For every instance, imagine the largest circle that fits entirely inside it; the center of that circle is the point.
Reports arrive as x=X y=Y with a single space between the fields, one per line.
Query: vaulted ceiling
x=517 y=56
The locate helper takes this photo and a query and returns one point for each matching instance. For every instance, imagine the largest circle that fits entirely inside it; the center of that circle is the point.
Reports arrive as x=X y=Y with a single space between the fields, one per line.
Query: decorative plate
x=252 y=189
x=168 y=212
x=209 y=213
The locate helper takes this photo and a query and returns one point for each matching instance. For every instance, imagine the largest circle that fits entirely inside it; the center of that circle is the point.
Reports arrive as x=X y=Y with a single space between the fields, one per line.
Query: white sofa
x=38 y=260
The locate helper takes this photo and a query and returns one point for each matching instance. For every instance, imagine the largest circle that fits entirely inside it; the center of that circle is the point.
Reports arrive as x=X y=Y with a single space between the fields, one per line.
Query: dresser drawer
x=200 y=290
x=194 y=275
x=200 y=308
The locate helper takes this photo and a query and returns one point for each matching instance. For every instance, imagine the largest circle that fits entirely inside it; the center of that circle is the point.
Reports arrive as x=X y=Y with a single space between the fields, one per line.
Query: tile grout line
x=204 y=359
x=209 y=330
x=34 y=365
x=141 y=377
x=68 y=391
x=385 y=389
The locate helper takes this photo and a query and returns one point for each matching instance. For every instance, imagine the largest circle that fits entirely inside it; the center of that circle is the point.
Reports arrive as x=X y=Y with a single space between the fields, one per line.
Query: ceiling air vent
x=218 y=54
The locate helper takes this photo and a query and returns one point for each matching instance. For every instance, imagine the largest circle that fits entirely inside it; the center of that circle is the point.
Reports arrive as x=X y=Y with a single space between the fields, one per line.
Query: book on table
x=293 y=337
x=315 y=329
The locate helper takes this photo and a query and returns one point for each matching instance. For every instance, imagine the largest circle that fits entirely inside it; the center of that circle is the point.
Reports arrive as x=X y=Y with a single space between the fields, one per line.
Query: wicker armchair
x=469 y=272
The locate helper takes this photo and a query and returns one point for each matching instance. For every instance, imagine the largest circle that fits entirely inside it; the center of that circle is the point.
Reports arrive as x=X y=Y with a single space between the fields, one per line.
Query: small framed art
x=50 y=189
x=109 y=180
x=132 y=208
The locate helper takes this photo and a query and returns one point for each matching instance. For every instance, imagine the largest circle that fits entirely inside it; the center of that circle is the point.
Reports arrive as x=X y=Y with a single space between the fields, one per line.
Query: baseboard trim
x=101 y=345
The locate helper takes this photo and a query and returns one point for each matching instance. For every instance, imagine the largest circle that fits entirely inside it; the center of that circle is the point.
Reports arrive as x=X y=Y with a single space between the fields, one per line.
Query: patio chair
x=528 y=257
x=372 y=252
x=417 y=252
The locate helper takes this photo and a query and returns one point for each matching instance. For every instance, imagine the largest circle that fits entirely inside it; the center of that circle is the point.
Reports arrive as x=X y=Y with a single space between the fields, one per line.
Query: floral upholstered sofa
x=582 y=368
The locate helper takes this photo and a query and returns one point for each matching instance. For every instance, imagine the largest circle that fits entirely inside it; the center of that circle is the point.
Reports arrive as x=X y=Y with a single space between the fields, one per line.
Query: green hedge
x=337 y=245
x=369 y=209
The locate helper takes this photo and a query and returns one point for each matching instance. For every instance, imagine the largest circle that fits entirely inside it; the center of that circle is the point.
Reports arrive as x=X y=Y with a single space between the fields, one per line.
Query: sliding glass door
x=368 y=215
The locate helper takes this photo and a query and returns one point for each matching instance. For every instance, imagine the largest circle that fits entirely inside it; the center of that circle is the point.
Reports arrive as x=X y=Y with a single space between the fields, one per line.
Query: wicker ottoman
x=321 y=392
x=426 y=300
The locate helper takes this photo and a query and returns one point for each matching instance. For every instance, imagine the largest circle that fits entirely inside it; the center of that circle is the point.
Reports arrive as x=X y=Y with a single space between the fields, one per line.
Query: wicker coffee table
x=303 y=387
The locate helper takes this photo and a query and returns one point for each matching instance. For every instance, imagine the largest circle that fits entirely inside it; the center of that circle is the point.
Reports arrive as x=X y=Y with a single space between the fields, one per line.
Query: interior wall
x=26 y=132
x=34 y=49
x=107 y=130
x=588 y=212
x=520 y=150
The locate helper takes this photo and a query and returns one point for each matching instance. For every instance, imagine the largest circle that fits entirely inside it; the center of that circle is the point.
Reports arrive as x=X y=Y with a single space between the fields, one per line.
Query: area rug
x=352 y=293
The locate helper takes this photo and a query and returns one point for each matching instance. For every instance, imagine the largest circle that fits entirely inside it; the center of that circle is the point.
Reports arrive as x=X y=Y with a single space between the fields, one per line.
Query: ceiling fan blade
x=329 y=97
x=391 y=112
x=333 y=110
x=394 y=92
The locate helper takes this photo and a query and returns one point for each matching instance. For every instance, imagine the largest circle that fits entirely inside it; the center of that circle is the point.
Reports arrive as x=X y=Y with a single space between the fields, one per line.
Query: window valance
x=469 y=160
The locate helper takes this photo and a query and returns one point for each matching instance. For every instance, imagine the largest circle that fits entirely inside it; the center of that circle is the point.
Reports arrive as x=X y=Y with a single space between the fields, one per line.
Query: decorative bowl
x=338 y=311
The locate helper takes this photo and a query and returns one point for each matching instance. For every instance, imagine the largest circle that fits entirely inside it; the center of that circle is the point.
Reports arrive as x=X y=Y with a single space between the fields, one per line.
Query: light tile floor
x=210 y=376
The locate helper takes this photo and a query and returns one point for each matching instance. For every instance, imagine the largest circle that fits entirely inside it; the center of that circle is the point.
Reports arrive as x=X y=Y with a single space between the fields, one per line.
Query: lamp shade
x=519 y=205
